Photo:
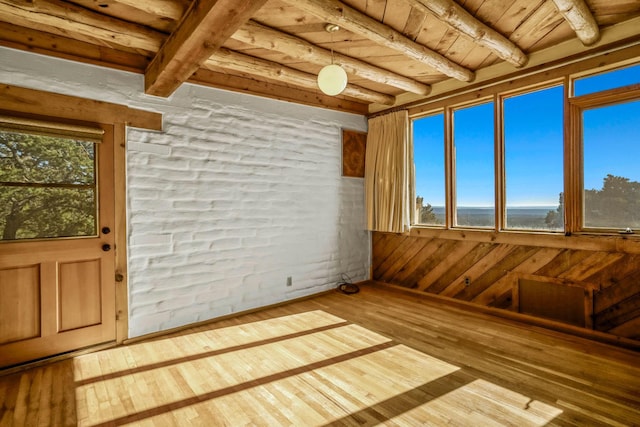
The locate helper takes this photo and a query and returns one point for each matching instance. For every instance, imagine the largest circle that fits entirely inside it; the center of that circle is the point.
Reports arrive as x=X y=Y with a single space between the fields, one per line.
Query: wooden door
x=57 y=294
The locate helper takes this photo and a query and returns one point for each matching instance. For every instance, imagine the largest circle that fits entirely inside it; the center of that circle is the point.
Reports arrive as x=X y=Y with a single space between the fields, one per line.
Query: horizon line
x=511 y=206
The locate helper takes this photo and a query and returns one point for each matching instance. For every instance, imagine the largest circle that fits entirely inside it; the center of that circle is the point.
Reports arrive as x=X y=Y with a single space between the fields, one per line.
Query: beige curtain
x=389 y=173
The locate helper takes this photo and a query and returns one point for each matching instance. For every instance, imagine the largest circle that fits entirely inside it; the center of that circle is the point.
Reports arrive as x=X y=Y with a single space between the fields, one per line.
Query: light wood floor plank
x=379 y=357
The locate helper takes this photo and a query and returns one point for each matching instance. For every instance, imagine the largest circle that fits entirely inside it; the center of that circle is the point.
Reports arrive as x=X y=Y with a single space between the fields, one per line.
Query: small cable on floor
x=346 y=287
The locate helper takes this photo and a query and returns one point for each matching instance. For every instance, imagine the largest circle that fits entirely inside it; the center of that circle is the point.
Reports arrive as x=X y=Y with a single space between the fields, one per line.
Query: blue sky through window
x=609 y=80
x=533 y=132
x=473 y=136
x=534 y=145
x=611 y=143
x=428 y=146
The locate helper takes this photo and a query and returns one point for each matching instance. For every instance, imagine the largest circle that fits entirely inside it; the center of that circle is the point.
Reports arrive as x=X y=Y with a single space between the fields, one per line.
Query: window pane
x=474 y=164
x=35 y=213
x=533 y=139
x=47 y=187
x=608 y=80
x=611 y=172
x=428 y=146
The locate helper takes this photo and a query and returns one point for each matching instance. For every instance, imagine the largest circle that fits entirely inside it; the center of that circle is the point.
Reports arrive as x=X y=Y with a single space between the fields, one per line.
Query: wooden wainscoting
x=376 y=357
x=482 y=272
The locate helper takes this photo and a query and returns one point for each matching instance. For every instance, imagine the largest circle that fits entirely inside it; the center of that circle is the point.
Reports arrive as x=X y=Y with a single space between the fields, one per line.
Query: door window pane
x=428 y=146
x=473 y=139
x=533 y=147
x=47 y=187
x=611 y=172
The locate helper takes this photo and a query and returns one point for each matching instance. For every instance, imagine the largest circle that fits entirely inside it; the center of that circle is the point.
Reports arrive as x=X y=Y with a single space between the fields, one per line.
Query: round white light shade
x=332 y=79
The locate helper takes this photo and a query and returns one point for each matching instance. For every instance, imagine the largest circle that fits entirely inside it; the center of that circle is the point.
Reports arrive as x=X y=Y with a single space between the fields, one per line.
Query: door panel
x=20 y=320
x=58 y=294
x=79 y=294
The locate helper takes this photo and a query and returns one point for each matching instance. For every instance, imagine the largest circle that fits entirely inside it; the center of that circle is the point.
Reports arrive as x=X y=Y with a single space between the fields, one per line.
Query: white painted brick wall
x=235 y=195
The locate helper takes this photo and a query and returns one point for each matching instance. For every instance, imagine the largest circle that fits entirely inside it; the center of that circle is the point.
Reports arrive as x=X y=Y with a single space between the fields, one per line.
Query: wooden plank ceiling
x=276 y=48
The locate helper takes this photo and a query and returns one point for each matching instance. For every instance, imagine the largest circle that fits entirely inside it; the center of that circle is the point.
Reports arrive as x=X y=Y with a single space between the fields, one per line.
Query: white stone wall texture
x=236 y=194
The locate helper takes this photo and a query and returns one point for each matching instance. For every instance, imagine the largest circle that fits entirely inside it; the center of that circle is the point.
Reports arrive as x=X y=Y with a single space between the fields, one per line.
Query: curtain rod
x=388 y=111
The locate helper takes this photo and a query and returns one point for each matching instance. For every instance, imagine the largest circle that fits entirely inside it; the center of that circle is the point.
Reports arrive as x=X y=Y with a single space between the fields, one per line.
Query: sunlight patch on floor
x=106 y=391
x=480 y=403
x=320 y=396
x=304 y=369
x=162 y=350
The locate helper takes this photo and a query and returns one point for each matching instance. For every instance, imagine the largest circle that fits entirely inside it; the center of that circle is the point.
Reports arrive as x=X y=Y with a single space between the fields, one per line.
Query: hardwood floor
x=377 y=357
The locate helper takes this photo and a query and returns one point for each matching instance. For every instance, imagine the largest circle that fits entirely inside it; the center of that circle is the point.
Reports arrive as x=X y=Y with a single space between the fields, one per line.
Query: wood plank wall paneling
x=440 y=266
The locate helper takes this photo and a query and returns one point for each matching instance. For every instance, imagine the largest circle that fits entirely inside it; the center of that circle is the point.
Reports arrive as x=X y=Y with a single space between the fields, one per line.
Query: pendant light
x=332 y=79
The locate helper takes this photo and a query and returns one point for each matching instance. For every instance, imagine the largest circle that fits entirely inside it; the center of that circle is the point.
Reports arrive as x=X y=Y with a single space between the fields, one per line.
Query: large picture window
x=533 y=152
x=558 y=156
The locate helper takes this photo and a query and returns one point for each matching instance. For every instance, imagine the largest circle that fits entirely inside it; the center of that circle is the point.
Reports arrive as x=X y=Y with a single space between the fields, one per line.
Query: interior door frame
x=23 y=101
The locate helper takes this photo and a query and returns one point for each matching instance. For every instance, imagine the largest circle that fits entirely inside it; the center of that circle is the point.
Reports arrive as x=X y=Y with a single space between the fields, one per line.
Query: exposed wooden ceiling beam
x=54 y=16
x=228 y=59
x=271 y=89
x=580 y=19
x=203 y=29
x=619 y=43
x=458 y=18
x=338 y=13
x=35 y=41
x=265 y=37
x=166 y=8
x=67 y=20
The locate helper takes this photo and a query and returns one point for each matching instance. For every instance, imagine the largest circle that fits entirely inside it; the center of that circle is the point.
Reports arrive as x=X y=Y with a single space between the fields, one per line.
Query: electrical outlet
x=289 y=281
x=467 y=281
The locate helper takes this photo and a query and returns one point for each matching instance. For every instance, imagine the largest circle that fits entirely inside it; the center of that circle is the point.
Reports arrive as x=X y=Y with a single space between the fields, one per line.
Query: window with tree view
x=566 y=153
x=611 y=150
x=47 y=186
x=609 y=118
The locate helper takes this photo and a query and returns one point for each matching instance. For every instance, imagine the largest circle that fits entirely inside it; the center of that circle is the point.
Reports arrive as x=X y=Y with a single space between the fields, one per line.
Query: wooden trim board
x=221 y=318
x=15 y=99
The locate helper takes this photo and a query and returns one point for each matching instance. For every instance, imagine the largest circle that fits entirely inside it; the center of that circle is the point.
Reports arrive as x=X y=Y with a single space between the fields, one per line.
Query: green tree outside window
x=47 y=187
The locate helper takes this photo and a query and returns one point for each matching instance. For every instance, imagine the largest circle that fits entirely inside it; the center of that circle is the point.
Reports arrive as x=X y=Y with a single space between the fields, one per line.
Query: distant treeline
x=615 y=206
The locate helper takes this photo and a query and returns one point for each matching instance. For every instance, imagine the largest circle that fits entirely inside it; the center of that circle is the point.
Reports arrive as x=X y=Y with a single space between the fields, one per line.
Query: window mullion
x=499 y=162
x=450 y=171
x=573 y=178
